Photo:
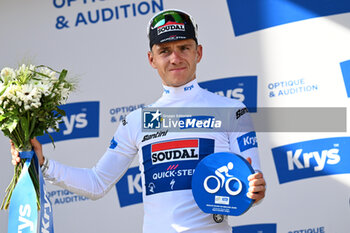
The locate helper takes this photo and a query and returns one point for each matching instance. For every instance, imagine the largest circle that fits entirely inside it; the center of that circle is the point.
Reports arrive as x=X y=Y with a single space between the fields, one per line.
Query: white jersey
x=169 y=205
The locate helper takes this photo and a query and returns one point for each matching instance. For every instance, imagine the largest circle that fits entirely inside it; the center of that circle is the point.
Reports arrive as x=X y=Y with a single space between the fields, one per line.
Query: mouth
x=177 y=69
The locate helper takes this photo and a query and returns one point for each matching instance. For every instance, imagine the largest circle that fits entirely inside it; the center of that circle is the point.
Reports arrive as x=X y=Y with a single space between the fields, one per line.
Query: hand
x=36 y=147
x=257 y=187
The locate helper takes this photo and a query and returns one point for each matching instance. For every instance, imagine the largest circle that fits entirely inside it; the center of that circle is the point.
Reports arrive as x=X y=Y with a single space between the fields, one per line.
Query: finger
x=14 y=163
x=15 y=160
x=256 y=196
x=257 y=189
x=249 y=160
x=257 y=182
x=254 y=176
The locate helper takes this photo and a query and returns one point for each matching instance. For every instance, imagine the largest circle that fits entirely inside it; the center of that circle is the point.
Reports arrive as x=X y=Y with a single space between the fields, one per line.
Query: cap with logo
x=171 y=25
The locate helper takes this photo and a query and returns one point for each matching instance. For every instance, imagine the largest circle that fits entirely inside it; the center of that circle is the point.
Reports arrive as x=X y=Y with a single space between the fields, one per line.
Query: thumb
x=38 y=150
x=249 y=160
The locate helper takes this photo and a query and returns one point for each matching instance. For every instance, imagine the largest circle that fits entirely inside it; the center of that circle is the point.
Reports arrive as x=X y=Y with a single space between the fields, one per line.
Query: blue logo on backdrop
x=220 y=184
x=81 y=121
x=345 y=69
x=256 y=228
x=313 y=158
x=129 y=188
x=253 y=15
x=243 y=89
x=247 y=141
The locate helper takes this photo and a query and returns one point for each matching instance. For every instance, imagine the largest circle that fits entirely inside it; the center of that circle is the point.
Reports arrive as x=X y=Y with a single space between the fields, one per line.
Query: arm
x=243 y=141
x=93 y=183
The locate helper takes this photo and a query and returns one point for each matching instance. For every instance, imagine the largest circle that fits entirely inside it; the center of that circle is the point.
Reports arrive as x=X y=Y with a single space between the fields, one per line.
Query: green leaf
x=63 y=74
x=60 y=112
x=25 y=127
x=33 y=123
x=53 y=142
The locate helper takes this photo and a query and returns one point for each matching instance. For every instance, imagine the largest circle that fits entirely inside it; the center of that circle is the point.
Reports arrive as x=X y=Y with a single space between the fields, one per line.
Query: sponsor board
x=312 y=158
x=256 y=228
x=118 y=114
x=252 y=15
x=311 y=230
x=82 y=120
x=243 y=89
x=64 y=197
x=291 y=87
x=98 y=12
x=129 y=189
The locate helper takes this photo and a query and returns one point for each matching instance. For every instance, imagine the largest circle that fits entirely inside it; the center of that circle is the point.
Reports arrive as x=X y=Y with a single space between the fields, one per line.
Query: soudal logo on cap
x=175 y=150
x=313 y=158
x=171 y=27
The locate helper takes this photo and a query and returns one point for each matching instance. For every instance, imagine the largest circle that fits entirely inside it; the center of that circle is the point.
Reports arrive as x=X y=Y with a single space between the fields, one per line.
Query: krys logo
x=81 y=121
x=313 y=158
x=129 y=188
x=243 y=89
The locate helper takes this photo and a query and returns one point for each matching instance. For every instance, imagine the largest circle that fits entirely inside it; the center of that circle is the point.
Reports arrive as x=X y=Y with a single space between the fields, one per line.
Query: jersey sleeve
x=95 y=182
x=243 y=140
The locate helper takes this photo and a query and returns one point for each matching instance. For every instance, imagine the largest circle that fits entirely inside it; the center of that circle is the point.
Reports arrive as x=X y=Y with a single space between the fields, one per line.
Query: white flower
x=26 y=107
x=44 y=88
x=28 y=94
x=35 y=104
x=7 y=74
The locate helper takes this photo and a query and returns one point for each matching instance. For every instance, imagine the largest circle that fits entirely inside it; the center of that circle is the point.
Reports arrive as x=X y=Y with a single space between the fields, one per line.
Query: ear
x=151 y=59
x=199 y=53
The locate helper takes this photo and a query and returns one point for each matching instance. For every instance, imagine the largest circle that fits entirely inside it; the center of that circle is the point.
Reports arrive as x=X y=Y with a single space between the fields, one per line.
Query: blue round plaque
x=220 y=184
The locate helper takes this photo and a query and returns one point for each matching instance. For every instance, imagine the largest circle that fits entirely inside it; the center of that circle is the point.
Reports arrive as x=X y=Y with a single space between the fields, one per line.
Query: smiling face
x=176 y=61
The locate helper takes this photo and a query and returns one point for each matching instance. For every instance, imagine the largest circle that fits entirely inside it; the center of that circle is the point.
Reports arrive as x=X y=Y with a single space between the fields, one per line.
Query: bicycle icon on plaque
x=220 y=184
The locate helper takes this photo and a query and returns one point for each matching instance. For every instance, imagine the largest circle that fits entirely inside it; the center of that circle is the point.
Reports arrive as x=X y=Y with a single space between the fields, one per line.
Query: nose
x=175 y=57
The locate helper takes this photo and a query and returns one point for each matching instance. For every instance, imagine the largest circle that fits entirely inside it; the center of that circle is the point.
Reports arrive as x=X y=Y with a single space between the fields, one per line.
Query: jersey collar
x=187 y=90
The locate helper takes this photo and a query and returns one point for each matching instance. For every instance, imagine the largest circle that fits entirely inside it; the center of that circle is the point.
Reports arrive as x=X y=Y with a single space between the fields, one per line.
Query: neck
x=186 y=90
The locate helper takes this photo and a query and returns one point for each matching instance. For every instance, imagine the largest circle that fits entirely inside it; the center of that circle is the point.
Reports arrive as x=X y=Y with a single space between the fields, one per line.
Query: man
x=168 y=201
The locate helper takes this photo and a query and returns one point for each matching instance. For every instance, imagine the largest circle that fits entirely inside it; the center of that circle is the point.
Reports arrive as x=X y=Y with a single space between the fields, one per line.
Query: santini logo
x=312 y=158
x=81 y=121
x=243 y=89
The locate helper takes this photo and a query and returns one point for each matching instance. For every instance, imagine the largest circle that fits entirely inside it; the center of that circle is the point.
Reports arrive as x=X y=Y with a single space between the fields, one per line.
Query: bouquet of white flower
x=29 y=105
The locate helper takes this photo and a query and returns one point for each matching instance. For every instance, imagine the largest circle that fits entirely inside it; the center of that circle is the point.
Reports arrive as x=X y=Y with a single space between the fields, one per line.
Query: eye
x=163 y=51
x=185 y=47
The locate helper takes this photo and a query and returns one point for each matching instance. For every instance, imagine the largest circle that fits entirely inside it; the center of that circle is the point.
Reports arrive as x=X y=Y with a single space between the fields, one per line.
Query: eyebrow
x=180 y=45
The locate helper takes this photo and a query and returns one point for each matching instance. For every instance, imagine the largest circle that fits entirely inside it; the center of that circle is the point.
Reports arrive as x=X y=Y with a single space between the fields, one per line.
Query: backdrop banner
x=288 y=61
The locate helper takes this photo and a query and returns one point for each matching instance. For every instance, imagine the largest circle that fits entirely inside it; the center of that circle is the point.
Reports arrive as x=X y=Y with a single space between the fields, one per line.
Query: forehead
x=174 y=43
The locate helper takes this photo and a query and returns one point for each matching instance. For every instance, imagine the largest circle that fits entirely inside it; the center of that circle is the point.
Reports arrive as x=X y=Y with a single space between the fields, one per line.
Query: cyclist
x=168 y=206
